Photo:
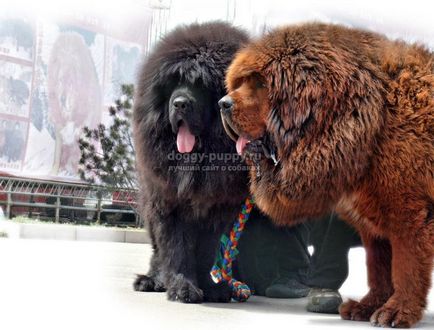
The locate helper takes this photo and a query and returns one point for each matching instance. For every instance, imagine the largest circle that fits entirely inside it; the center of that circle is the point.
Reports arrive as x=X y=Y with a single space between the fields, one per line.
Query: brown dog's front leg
x=411 y=273
x=378 y=258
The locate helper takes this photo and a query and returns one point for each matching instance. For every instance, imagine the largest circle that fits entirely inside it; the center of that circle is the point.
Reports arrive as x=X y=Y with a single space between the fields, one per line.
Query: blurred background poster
x=59 y=72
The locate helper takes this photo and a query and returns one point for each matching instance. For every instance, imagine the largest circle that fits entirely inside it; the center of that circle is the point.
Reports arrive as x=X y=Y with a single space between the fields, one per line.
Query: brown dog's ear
x=308 y=98
x=297 y=94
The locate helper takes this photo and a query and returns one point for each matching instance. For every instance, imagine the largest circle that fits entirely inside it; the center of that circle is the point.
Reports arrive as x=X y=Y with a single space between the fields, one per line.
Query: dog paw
x=220 y=293
x=183 y=290
x=146 y=283
x=355 y=311
x=396 y=316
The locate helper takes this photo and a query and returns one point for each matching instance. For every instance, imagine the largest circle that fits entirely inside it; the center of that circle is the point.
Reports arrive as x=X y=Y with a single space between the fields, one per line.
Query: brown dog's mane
x=331 y=92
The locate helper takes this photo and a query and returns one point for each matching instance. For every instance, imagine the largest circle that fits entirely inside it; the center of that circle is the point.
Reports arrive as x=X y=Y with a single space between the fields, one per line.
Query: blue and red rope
x=222 y=269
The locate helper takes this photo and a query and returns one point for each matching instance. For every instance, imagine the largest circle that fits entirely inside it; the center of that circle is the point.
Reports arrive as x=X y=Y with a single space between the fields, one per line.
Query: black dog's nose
x=226 y=103
x=180 y=103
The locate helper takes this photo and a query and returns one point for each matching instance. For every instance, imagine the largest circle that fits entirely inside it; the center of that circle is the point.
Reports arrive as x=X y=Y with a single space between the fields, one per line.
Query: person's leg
x=272 y=260
x=331 y=238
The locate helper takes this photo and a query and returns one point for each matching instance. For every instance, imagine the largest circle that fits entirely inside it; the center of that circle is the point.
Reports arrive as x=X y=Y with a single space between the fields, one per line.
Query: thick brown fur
x=351 y=115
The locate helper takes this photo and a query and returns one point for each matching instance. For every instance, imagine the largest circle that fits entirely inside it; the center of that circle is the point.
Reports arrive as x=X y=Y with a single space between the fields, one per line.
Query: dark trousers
x=268 y=253
x=331 y=239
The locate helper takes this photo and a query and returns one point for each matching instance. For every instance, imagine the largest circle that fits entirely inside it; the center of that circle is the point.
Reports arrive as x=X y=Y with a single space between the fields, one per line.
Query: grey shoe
x=287 y=288
x=324 y=301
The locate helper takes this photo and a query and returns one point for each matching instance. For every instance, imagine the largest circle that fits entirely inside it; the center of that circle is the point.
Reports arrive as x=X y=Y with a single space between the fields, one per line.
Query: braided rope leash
x=222 y=269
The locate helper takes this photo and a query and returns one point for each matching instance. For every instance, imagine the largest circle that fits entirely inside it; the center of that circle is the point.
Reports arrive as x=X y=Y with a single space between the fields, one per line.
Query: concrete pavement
x=47 y=284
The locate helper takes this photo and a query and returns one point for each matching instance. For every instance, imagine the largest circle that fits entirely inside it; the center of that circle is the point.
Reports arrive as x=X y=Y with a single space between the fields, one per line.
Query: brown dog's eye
x=260 y=84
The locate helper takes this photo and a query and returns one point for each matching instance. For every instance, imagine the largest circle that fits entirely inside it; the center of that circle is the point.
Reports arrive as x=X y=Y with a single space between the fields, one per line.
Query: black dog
x=192 y=181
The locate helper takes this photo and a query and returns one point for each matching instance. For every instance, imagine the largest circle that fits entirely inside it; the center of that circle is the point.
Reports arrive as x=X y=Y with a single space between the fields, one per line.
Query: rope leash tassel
x=222 y=269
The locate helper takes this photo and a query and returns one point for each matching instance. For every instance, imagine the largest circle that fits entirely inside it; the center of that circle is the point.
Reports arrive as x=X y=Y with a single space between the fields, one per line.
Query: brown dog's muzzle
x=226 y=105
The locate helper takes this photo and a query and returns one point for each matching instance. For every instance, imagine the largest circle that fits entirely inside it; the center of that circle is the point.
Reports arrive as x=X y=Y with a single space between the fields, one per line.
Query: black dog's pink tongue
x=241 y=144
x=185 y=140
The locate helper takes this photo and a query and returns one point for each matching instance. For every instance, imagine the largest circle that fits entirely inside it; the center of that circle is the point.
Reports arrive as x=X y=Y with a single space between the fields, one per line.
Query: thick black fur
x=186 y=210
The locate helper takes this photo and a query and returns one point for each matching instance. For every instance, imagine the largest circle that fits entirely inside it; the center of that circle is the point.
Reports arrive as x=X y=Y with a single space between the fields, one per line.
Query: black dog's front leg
x=153 y=280
x=208 y=245
x=177 y=242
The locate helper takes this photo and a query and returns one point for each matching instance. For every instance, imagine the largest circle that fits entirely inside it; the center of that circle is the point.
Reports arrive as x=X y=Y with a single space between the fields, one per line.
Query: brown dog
x=348 y=116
